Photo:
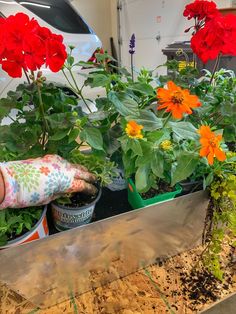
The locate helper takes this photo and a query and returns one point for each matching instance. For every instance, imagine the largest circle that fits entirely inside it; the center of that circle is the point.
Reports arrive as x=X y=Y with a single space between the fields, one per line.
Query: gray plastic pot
x=66 y=217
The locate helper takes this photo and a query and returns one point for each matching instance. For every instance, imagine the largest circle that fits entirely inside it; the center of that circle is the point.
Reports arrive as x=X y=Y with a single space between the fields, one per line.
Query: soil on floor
x=169 y=287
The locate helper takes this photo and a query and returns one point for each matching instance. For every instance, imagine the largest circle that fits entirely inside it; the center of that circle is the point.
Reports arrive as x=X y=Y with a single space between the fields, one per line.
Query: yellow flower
x=134 y=130
x=166 y=145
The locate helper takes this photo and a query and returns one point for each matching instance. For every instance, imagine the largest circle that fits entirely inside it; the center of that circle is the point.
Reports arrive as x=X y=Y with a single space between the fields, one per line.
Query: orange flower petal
x=210 y=158
x=220 y=154
x=204 y=151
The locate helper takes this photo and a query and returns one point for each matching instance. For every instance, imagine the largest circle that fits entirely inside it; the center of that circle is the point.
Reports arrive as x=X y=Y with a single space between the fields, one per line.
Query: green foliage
x=223 y=223
x=15 y=222
x=103 y=168
x=24 y=136
x=219 y=101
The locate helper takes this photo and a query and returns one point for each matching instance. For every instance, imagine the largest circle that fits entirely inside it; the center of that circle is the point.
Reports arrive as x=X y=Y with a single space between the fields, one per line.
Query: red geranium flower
x=201 y=9
x=217 y=36
x=26 y=45
x=13 y=64
x=56 y=55
x=34 y=52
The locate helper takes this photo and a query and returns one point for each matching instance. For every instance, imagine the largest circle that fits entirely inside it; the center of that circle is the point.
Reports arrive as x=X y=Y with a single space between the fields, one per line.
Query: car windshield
x=59 y=14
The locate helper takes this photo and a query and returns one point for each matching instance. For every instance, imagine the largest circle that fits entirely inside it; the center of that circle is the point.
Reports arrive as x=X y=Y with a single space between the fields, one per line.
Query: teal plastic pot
x=136 y=201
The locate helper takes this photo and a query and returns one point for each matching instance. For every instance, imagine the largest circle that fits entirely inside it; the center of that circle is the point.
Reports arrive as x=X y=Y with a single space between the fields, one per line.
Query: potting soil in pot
x=162 y=187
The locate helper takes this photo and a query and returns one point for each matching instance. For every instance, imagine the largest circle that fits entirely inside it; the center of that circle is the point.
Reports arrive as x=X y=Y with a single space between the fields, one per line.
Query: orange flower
x=176 y=100
x=133 y=129
x=210 y=145
x=44 y=170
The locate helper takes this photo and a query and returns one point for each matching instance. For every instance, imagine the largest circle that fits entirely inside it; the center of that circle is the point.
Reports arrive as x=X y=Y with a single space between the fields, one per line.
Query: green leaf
x=59 y=135
x=230 y=133
x=124 y=104
x=93 y=137
x=73 y=135
x=184 y=130
x=6 y=104
x=103 y=103
x=103 y=56
x=148 y=119
x=3 y=239
x=208 y=180
x=142 y=88
x=98 y=115
x=70 y=60
x=88 y=64
x=157 y=164
x=186 y=164
x=135 y=146
x=99 y=80
x=141 y=178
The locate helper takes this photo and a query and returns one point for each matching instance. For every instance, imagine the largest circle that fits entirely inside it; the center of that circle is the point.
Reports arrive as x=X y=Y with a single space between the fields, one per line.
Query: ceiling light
x=35 y=4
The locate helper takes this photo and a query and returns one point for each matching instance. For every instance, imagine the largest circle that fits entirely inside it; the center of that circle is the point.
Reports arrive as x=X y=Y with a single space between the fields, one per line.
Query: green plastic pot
x=136 y=200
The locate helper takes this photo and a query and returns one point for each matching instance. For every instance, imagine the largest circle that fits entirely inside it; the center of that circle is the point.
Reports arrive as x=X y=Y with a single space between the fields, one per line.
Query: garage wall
x=146 y=18
x=97 y=14
x=223 y=3
x=156 y=24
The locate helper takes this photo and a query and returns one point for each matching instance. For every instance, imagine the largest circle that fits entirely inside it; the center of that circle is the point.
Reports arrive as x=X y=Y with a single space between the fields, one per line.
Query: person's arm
x=2 y=188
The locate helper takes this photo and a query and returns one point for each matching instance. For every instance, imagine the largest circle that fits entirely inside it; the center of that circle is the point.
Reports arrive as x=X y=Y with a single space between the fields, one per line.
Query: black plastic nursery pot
x=51 y=270
x=191 y=186
x=68 y=217
x=39 y=231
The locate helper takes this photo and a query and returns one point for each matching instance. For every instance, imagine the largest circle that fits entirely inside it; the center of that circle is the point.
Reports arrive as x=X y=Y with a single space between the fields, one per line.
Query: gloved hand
x=41 y=180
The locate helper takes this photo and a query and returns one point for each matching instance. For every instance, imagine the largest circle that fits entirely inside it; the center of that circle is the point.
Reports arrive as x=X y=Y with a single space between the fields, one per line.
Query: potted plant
x=77 y=209
x=41 y=117
x=160 y=147
x=18 y=226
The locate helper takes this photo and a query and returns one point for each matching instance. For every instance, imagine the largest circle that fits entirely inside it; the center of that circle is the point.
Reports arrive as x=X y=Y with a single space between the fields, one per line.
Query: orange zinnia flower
x=176 y=100
x=133 y=129
x=210 y=145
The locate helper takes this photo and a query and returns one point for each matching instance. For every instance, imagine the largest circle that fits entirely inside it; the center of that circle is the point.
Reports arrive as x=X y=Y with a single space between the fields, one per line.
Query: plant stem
x=72 y=87
x=132 y=66
x=167 y=120
x=79 y=91
x=75 y=88
x=27 y=77
x=215 y=68
x=147 y=273
x=45 y=123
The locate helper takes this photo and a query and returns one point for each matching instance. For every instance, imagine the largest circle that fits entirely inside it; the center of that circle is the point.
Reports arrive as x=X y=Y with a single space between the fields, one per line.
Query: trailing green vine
x=222 y=227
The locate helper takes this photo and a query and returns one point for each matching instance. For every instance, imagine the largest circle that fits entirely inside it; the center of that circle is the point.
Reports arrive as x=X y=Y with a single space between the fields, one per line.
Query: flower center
x=133 y=132
x=177 y=98
x=213 y=142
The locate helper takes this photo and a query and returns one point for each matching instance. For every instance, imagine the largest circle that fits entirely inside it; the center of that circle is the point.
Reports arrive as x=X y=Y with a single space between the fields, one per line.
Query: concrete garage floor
x=166 y=288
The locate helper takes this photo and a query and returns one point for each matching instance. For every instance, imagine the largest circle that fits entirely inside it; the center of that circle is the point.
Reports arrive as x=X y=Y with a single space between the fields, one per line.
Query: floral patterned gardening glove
x=41 y=180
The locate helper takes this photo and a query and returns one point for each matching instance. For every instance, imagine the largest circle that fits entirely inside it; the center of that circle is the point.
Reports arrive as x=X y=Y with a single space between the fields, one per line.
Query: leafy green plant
x=103 y=168
x=15 y=222
x=219 y=102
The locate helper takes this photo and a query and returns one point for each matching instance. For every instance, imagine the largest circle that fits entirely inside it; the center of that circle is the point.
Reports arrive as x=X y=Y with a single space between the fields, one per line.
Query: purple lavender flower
x=132 y=44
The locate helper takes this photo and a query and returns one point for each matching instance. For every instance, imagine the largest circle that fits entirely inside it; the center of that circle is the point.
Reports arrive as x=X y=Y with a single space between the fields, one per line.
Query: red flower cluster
x=25 y=45
x=218 y=36
x=200 y=10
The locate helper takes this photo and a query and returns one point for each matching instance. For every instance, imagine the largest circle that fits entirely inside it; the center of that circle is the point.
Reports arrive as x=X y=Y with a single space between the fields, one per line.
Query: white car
x=61 y=17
